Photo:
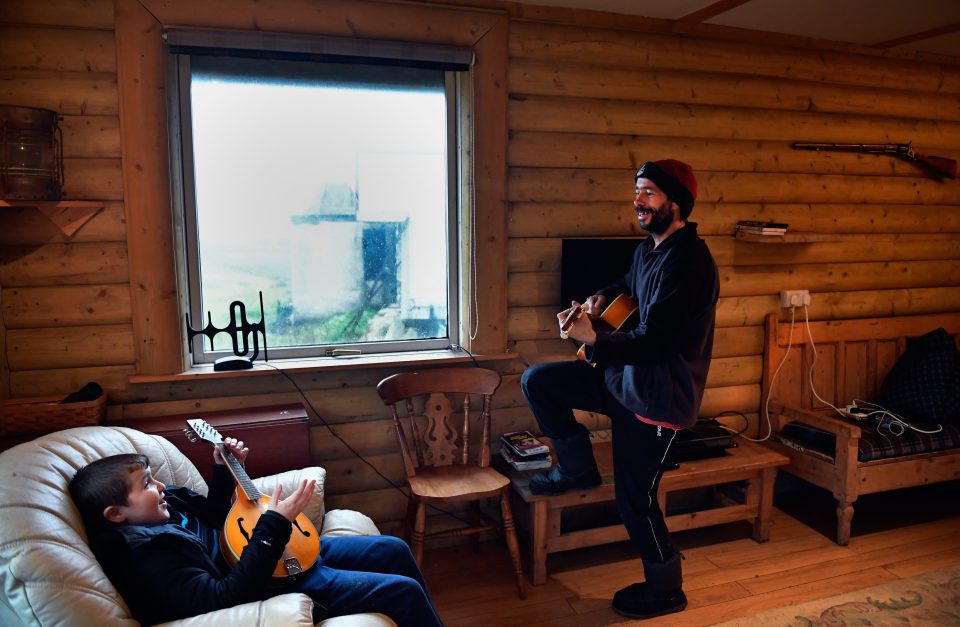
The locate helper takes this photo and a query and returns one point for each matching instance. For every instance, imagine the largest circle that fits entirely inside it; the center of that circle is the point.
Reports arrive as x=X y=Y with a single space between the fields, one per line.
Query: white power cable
x=896 y=425
x=766 y=404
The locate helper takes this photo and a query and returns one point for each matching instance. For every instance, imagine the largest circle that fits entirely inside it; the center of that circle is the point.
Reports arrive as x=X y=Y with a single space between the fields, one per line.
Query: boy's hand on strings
x=233 y=445
x=293 y=505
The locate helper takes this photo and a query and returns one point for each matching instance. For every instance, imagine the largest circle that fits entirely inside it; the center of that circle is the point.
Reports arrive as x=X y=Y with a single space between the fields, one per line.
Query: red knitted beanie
x=675 y=178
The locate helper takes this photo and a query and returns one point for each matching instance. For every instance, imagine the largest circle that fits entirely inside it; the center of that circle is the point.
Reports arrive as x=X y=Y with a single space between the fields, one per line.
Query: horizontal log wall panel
x=542 y=288
x=351 y=474
x=880 y=303
x=724 y=371
x=380 y=505
x=49 y=48
x=591 y=150
x=575 y=80
x=68 y=347
x=62 y=381
x=28 y=307
x=529 y=255
x=756 y=280
x=377 y=437
x=530 y=323
x=91 y=136
x=64 y=264
x=539 y=323
x=739 y=398
x=661 y=50
x=617 y=218
x=585 y=115
x=92 y=179
x=567 y=185
x=850 y=248
x=68 y=93
x=77 y=15
x=344 y=18
x=728 y=342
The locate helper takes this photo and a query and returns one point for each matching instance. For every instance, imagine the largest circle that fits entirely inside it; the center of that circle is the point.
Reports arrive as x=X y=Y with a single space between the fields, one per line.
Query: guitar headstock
x=200 y=430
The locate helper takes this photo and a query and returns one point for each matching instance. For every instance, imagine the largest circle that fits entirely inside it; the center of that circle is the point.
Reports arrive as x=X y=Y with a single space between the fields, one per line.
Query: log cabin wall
x=590 y=97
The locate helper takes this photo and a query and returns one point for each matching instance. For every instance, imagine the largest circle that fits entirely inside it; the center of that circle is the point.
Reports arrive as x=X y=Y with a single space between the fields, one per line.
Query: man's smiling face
x=654 y=209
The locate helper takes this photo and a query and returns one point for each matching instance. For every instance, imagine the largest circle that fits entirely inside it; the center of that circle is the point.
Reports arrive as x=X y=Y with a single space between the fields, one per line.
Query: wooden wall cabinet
x=278 y=436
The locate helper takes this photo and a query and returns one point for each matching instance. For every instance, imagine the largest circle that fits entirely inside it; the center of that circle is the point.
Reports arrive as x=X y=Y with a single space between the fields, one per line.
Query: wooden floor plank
x=726 y=574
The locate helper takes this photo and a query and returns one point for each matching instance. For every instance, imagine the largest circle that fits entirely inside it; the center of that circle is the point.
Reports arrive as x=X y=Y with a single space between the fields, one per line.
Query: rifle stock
x=940 y=166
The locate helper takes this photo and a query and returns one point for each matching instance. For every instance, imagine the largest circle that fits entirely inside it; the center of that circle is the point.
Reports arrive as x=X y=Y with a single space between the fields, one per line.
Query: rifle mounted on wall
x=939 y=166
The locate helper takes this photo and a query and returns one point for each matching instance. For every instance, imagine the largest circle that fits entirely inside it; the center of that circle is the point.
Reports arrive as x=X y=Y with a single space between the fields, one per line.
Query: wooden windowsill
x=326 y=364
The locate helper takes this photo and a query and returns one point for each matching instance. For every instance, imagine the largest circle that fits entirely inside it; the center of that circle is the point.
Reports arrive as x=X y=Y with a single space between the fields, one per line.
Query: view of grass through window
x=331 y=200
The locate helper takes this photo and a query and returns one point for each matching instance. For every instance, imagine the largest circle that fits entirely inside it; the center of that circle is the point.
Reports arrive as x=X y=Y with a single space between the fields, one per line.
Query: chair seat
x=454 y=483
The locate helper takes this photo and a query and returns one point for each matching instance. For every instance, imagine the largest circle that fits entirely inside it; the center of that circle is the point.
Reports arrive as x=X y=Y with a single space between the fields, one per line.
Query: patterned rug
x=928 y=600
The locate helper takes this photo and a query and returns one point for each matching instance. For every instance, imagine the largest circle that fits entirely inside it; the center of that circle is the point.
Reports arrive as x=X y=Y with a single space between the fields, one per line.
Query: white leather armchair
x=49 y=576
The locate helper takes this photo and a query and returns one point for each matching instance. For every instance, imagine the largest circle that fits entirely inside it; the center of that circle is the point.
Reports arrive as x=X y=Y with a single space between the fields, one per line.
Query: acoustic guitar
x=613 y=317
x=248 y=505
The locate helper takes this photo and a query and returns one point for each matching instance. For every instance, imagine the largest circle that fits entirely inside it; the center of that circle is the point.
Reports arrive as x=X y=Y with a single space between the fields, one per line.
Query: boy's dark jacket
x=163 y=572
x=659 y=368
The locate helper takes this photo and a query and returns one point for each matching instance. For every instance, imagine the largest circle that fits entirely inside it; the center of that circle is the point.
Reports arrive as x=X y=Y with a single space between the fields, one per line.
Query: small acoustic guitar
x=248 y=505
x=614 y=316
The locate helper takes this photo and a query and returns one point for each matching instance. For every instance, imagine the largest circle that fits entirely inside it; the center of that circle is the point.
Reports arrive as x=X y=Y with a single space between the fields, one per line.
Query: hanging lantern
x=31 y=154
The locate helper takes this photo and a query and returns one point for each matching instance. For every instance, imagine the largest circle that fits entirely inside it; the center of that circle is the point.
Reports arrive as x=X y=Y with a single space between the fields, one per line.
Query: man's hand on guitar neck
x=575 y=322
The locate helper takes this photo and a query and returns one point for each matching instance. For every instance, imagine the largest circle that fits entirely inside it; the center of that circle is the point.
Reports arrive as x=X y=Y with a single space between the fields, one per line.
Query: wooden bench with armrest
x=851 y=360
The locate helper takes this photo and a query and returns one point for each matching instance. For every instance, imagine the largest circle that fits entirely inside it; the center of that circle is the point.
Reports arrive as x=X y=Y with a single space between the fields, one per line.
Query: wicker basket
x=47 y=414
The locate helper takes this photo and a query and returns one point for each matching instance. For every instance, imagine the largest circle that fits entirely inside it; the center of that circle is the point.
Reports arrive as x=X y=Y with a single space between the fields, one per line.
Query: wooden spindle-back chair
x=438 y=465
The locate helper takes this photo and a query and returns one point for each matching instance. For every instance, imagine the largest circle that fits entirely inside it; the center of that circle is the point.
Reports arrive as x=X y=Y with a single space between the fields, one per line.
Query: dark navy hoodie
x=658 y=369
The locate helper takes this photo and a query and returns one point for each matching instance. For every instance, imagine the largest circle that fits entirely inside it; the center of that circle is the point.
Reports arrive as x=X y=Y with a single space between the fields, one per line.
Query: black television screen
x=587 y=265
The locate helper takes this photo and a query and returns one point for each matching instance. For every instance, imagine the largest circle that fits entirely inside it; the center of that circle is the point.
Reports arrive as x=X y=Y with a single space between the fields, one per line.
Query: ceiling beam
x=704 y=14
x=927 y=34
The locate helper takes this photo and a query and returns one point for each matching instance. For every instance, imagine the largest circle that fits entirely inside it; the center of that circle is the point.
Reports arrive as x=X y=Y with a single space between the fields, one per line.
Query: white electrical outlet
x=794 y=298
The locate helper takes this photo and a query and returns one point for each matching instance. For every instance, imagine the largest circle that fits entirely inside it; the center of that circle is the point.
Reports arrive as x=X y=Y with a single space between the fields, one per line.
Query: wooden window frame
x=141 y=77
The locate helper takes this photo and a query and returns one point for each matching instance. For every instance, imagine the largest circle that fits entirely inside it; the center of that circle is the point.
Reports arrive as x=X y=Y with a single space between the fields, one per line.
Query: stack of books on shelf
x=524 y=451
x=759 y=227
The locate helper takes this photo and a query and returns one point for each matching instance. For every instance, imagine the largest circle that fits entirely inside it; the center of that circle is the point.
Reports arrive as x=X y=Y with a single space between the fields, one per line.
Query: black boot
x=575 y=469
x=661 y=593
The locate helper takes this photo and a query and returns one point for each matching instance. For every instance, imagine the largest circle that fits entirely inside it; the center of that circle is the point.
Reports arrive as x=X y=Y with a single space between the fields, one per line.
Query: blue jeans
x=553 y=390
x=356 y=574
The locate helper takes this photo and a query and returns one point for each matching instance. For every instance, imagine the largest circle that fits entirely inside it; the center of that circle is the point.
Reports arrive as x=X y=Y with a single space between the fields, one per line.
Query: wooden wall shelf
x=788 y=238
x=67 y=215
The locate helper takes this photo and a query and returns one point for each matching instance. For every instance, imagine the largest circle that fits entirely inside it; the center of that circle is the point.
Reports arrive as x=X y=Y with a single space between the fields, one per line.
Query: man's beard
x=659 y=219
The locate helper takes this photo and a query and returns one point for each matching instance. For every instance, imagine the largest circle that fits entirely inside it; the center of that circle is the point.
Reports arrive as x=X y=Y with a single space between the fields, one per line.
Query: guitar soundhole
x=300 y=529
x=246 y=536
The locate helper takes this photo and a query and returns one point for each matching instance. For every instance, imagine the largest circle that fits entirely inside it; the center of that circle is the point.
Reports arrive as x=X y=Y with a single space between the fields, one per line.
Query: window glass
x=325 y=187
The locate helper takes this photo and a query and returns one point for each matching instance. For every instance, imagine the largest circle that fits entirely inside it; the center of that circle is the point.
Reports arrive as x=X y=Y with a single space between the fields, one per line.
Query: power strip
x=854 y=412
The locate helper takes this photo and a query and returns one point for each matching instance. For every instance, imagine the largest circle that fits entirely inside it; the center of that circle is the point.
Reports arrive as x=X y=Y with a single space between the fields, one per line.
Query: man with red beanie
x=648 y=378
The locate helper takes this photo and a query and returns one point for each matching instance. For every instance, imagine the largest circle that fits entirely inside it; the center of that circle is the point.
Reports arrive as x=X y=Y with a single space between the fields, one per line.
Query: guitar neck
x=240 y=476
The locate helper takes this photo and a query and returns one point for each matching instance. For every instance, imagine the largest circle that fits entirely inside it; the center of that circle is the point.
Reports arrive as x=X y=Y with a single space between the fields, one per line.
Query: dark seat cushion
x=923 y=387
x=876 y=441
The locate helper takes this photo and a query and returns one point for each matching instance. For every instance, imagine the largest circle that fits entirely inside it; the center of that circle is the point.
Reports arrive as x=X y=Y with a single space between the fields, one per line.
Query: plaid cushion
x=923 y=387
x=876 y=441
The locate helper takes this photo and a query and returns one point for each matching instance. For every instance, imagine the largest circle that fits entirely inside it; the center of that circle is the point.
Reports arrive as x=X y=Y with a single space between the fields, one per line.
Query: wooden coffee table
x=749 y=462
